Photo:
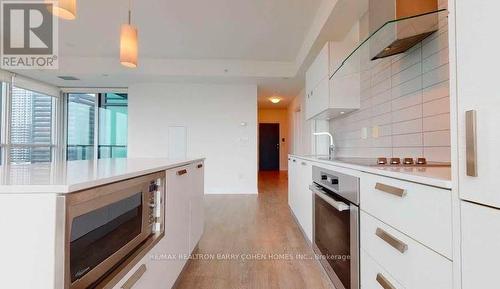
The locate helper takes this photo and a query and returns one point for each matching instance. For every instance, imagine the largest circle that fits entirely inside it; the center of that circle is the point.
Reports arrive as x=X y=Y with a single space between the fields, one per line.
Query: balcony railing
x=86 y=152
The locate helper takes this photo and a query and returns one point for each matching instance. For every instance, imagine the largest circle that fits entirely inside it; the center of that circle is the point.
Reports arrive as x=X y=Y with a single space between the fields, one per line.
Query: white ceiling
x=266 y=42
x=262 y=30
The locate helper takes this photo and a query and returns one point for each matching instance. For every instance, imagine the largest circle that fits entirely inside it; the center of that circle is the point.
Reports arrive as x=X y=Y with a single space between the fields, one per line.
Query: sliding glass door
x=113 y=125
x=97 y=125
x=81 y=126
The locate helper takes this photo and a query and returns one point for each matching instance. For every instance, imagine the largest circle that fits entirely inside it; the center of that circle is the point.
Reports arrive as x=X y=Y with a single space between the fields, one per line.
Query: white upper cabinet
x=477 y=90
x=316 y=77
x=327 y=96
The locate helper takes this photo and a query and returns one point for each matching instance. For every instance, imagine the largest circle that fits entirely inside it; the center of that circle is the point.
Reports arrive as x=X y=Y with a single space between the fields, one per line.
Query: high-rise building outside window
x=31 y=126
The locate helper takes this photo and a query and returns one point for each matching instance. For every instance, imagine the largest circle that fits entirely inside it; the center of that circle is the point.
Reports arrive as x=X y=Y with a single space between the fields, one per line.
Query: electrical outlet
x=364 y=133
x=376 y=131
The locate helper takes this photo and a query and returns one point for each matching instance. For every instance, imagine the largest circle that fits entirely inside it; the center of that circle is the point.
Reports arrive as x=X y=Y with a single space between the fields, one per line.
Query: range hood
x=400 y=36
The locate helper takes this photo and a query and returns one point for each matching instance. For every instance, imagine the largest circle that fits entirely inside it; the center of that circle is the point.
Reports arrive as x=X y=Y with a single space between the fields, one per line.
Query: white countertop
x=432 y=176
x=67 y=177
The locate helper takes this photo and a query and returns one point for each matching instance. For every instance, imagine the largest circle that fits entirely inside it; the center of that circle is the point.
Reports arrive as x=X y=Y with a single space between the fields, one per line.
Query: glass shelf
x=392 y=38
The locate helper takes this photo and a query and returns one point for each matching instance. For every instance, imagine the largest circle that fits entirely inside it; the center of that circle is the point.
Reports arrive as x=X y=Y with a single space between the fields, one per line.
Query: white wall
x=300 y=132
x=212 y=116
x=278 y=116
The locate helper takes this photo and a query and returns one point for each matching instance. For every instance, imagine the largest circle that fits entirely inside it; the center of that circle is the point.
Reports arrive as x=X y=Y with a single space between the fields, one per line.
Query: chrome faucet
x=332 y=145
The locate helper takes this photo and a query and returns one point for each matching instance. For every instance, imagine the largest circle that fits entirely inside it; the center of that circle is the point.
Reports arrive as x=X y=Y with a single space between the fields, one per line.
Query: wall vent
x=65 y=77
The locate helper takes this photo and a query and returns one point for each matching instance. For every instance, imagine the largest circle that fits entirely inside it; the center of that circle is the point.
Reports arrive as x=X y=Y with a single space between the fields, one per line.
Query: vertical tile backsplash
x=405 y=106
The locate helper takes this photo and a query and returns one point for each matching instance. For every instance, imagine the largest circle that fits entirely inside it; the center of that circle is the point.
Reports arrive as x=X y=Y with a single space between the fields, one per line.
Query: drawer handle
x=390 y=190
x=199 y=166
x=294 y=160
x=303 y=163
x=135 y=277
x=182 y=172
x=391 y=240
x=384 y=282
x=471 y=143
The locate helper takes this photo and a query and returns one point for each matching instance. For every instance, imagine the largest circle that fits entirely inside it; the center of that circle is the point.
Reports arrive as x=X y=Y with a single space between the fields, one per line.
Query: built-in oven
x=106 y=224
x=336 y=225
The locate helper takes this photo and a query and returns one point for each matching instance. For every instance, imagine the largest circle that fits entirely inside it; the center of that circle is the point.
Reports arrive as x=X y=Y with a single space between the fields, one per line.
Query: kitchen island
x=126 y=212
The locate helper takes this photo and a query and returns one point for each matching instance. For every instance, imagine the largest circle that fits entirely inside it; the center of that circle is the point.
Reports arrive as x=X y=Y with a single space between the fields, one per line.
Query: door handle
x=384 y=282
x=182 y=172
x=391 y=240
x=390 y=190
x=340 y=206
x=471 y=142
x=199 y=166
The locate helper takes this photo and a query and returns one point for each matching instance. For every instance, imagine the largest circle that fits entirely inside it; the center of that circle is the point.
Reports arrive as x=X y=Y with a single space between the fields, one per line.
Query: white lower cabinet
x=373 y=276
x=299 y=196
x=197 y=218
x=421 y=212
x=292 y=184
x=177 y=216
x=305 y=198
x=480 y=246
x=412 y=264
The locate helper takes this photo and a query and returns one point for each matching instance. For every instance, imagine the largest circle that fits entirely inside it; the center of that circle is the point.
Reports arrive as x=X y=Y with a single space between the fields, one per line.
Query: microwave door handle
x=339 y=206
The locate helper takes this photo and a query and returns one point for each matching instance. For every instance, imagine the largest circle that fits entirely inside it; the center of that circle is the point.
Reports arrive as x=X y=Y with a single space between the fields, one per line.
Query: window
x=81 y=126
x=31 y=126
x=113 y=124
x=100 y=118
x=3 y=89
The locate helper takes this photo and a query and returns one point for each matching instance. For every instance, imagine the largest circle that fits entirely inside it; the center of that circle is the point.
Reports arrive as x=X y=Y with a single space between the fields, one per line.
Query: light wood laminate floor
x=253 y=227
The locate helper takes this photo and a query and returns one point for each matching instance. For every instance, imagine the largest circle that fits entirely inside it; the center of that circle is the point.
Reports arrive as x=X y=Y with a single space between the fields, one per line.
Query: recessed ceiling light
x=275 y=100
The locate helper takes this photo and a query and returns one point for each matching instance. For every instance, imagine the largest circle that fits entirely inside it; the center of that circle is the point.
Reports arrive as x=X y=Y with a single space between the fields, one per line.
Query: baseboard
x=231 y=193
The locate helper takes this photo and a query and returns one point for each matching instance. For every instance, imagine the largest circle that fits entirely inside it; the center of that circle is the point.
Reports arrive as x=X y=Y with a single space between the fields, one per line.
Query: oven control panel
x=154 y=207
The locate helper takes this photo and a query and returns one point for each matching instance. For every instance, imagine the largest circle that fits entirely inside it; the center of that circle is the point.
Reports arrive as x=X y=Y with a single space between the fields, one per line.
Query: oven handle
x=340 y=206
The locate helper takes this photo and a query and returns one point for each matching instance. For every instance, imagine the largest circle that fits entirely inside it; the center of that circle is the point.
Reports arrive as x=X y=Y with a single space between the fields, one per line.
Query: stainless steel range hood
x=405 y=34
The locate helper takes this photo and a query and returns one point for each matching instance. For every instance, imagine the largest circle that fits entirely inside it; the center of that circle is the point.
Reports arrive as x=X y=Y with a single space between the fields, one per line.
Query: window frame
x=99 y=93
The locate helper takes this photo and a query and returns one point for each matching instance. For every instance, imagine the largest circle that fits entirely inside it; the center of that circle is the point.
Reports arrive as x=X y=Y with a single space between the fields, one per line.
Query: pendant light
x=64 y=9
x=128 y=43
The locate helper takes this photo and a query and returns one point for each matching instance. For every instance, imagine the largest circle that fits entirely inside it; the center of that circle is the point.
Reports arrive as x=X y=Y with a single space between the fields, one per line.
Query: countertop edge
x=429 y=181
x=66 y=189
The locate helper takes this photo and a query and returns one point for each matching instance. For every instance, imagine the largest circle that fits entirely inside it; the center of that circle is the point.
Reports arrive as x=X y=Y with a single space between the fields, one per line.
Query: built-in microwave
x=106 y=225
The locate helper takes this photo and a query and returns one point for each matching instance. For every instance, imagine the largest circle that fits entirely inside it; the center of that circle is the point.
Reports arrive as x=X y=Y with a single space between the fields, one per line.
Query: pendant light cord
x=129 y=12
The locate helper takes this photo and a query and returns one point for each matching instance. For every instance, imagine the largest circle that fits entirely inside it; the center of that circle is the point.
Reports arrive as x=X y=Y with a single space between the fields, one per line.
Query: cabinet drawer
x=419 y=211
x=409 y=262
x=375 y=277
